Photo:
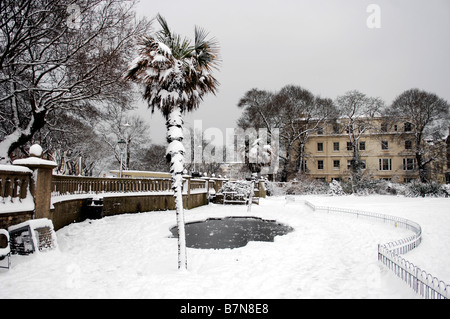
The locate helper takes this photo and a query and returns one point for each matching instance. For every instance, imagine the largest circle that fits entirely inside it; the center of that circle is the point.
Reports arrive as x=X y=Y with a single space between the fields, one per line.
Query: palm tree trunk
x=175 y=151
x=182 y=256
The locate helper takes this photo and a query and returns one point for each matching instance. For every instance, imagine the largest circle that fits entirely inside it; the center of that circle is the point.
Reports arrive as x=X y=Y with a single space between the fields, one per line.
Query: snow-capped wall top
x=34 y=161
x=13 y=168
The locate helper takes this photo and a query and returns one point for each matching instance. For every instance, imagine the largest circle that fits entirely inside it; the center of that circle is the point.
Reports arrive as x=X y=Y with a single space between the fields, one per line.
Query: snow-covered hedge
x=432 y=189
x=336 y=188
x=413 y=189
x=304 y=187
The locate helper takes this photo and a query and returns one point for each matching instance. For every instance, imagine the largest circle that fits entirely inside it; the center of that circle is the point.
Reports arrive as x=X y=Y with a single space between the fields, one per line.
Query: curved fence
x=423 y=283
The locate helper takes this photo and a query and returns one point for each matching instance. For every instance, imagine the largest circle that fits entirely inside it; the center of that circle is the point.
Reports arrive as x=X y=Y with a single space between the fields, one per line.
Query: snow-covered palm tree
x=176 y=74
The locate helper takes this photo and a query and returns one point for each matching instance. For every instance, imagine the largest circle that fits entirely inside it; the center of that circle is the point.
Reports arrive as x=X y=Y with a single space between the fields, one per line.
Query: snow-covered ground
x=327 y=256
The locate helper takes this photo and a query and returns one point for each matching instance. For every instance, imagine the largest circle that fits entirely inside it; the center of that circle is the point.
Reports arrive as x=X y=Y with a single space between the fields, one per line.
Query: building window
x=304 y=166
x=384 y=127
x=408 y=145
x=320 y=131
x=408 y=127
x=336 y=164
x=395 y=127
x=409 y=164
x=362 y=146
x=319 y=164
x=384 y=145
x=385 y=164
x=336 y=146
x=349 y=146
x=320 y=147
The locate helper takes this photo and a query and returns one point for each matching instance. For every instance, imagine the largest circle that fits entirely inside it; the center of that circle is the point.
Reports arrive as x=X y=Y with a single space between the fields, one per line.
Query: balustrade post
x=41 y=182
x=207 y=187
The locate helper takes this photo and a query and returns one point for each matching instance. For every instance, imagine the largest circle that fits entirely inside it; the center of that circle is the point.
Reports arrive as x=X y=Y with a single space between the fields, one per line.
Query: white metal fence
x=423 y=283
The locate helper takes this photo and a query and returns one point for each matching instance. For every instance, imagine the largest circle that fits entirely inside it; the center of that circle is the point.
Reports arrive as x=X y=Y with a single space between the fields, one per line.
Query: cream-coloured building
x=385 y=151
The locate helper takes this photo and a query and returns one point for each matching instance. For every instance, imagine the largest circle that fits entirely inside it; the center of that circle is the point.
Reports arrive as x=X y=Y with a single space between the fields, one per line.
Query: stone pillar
x=41 y=183
x=262 y=188
x=207 y=188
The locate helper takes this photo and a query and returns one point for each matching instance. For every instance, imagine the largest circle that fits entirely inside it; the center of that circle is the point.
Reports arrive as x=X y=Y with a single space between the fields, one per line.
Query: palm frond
x=176 y=72
x=180 y=46
x=165 y=32
x=206 y=50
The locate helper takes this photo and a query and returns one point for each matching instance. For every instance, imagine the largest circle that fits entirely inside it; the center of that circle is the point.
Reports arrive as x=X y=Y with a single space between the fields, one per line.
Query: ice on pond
x=231 y=232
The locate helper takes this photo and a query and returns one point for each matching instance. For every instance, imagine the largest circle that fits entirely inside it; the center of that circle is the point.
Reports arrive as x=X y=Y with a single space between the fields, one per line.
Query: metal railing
x=423 y=283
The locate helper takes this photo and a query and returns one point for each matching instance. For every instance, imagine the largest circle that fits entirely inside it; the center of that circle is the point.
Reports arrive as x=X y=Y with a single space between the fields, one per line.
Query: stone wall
x=14 y=218
x=28 y=190
x=66 y=212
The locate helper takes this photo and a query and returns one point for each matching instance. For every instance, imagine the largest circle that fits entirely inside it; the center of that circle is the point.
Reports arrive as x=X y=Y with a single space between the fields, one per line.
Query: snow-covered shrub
x=315 y=187
x=365 y=186
x=275 y=188
x=394 y=188
x=446 y=190
x=376 y=186
x=431 y=189
x=302 y=187
x=336 y=189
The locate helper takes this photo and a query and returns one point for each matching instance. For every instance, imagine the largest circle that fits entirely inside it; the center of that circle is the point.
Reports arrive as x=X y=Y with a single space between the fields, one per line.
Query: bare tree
x=426 y=116
x=295 y=111
x=48 y=61
x=118 y=124
x=302 y=114
x=357 y=112
x=153 y=159
x=64 y=140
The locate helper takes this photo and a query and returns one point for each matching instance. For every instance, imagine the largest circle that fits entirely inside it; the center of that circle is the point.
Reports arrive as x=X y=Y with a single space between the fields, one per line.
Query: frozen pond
x=231 y=232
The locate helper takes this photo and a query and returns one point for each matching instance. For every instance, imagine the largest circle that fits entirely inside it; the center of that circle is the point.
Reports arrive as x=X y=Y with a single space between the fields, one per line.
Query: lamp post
x=127 y=135
x=199 y=148
x=122 y=144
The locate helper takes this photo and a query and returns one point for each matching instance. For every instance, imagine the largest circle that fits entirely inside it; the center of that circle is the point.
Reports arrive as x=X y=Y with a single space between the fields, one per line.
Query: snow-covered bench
x=234 y=198
x=237 y=193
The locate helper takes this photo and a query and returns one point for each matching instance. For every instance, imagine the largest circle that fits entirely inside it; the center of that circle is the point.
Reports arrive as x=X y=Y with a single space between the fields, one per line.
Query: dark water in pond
x=230 y=232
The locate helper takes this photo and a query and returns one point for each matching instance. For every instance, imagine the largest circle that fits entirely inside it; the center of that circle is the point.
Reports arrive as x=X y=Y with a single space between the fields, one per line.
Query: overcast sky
x=324 y=46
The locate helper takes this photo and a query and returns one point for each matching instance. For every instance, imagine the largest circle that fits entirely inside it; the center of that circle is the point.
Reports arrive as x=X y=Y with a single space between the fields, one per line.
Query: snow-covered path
x=327 y=256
